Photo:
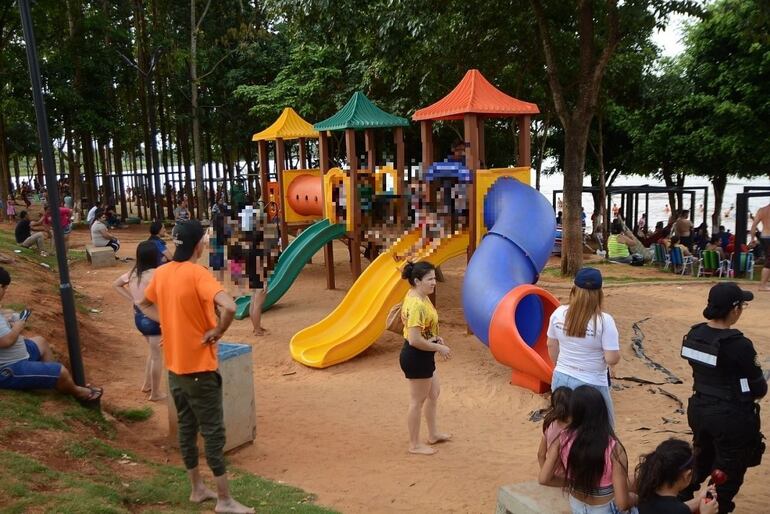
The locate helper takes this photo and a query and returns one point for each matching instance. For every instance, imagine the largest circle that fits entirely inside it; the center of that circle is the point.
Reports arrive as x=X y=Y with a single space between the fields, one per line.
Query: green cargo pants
x=198 y=400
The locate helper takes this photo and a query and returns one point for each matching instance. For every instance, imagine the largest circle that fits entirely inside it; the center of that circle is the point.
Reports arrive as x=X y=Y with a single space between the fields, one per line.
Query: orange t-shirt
x=184 y=293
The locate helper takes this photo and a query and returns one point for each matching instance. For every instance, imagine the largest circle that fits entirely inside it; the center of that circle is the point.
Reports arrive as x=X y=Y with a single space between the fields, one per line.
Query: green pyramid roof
x=360 y=113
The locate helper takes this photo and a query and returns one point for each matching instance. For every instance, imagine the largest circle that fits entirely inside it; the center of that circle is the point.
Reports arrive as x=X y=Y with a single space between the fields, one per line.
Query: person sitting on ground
x=556 y=419
x=663 y=473
x=28 y=363
x=113 y=220
x=594 y=461
x=619 y=244
x=100 y=236
x=157 y=232
x=24 y=235
x=715 y=245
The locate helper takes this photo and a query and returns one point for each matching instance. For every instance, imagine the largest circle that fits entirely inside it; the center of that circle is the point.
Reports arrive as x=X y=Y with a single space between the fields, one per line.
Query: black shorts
x=765 y=242
x=416 y=363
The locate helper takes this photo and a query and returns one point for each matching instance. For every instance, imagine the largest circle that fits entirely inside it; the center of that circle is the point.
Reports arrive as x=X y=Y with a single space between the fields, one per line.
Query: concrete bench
x=531 y=498
x=100 y=257
x=238 y=405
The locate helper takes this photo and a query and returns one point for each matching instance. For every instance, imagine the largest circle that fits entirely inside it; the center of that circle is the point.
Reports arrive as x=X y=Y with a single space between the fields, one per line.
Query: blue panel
x=230 y=350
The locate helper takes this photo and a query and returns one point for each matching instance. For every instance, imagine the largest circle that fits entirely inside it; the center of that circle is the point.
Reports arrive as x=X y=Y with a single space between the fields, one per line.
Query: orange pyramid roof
x=474 y=95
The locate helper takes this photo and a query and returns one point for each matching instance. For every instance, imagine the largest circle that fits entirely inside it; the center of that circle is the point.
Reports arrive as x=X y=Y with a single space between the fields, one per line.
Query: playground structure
x=501 y=305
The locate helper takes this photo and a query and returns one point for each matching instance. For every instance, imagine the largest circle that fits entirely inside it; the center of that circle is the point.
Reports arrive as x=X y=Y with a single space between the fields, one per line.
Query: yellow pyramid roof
x=289 y=125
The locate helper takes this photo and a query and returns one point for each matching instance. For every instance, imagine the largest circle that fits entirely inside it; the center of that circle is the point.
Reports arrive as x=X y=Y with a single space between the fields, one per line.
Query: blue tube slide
x=521 y=226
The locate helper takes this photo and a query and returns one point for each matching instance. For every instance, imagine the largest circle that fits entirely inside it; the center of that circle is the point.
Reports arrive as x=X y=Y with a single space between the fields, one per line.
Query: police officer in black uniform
x=722 y=412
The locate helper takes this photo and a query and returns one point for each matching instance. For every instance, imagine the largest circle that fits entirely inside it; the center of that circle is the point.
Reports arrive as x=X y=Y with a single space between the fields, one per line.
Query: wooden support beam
x=525 y=156
x=471 y=127
x=264 y=168
x=280 y=160
x=323 y=153
x=371 y=150
x=303 y=164
x=482 y=152
x=426 y=136
x=398 y=139
x=353 y=207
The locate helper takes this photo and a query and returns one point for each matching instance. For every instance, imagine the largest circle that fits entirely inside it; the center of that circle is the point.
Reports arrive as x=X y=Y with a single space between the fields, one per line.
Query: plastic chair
x=742 y=262
x=660 y=256
x=710 y=264
x=679 y=259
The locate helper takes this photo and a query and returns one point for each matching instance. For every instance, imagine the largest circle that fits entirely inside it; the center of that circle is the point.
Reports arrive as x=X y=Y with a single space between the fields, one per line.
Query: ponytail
x=416 y=271
x=663 y=466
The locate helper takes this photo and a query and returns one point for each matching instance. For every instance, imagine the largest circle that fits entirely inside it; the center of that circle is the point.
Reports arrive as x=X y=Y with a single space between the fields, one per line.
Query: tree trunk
x=118 y=153
x=196 y=127
x=5 y=172
x=575 y=141
x=602 y=210
x=719 y=183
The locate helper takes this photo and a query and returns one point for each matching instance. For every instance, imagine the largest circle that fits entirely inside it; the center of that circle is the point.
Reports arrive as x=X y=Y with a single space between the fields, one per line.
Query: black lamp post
x=65 y=288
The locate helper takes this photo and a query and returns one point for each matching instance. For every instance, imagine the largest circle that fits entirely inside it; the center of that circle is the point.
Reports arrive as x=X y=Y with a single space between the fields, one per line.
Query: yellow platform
x=359 y=320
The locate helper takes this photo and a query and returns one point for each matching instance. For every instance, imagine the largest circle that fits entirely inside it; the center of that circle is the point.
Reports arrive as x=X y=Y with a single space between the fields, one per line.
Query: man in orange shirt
x=182 y=296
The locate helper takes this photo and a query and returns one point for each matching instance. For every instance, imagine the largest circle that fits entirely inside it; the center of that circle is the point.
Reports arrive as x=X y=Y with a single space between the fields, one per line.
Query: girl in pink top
x=556 y=419
x=593 y=461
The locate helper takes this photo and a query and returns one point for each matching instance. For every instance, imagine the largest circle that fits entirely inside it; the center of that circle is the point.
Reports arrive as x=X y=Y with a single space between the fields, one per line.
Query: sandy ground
x=341 y=432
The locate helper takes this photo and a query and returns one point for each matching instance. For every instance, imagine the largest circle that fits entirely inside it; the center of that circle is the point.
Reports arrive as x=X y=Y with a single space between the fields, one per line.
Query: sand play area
x=340 y=433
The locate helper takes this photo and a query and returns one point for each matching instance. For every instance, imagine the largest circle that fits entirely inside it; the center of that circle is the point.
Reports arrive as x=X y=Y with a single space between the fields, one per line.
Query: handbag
x=394 y=323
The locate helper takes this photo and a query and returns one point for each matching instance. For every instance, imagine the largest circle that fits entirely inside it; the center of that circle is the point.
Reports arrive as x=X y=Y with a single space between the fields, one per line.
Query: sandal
x=96 y=394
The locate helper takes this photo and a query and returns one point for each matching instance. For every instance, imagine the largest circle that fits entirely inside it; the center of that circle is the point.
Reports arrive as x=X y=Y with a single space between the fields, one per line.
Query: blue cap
x=589 y=278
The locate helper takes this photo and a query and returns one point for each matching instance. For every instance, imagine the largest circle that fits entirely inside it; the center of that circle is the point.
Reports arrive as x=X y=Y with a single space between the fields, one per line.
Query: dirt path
x=341 y=432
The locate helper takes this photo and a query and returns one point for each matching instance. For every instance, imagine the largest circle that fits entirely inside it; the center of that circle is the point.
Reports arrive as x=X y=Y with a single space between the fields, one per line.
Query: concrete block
x=531 y=498
x=100 y=257
x=237 y=370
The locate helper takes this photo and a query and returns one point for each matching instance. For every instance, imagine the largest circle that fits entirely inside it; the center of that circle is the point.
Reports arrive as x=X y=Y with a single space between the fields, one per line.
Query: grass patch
x=18 y=307
x=133 y=415
x=112 y=483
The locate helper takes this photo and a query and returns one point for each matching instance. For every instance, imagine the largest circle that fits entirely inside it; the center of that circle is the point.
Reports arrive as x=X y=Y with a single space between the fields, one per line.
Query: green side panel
x=291 y=262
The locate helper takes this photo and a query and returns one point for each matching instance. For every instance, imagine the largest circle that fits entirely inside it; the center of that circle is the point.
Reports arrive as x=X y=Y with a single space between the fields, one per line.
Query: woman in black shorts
x=421 y=342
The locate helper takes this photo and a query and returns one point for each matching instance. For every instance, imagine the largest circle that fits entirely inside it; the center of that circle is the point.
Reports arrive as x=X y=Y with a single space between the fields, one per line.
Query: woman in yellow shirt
x=417 y=355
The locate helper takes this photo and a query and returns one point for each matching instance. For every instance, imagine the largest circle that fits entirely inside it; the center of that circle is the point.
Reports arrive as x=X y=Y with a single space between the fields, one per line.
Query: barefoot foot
x=202 y=494
x=157 y=398
x=230 y=506
x=146 y=389
x=439 y=438
x=259 y=331
x=422 y=450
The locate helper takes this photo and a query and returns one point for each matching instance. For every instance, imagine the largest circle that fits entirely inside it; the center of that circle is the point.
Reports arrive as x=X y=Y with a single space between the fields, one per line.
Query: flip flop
x=96 y=393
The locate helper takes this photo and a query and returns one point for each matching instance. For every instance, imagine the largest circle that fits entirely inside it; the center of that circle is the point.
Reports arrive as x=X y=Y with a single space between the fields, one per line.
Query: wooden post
x=353 y=209
x=471 y=127
x=525 y=157
x=303 y=164
x=323 y=153
x=264 y=169
x=371 y=152
x=482 y=152
x=280 y=159
x=426 y=136
x=398 y=139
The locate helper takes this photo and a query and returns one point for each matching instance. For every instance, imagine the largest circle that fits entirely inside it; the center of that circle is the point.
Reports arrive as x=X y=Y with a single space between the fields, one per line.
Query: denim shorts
x=145 y=325
x=579 y=507
x=30 y=373
x=560 y=379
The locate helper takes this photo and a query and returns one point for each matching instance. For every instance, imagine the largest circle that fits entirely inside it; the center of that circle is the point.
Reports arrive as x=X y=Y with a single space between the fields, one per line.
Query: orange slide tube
x=305 y=196
x=532 y=367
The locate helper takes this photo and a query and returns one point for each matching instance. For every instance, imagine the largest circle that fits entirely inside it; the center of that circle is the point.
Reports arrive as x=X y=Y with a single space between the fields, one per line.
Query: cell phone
x=25 y=314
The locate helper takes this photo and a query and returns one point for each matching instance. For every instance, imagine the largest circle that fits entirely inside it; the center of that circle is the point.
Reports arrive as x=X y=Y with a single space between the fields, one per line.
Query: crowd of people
x=183 y=310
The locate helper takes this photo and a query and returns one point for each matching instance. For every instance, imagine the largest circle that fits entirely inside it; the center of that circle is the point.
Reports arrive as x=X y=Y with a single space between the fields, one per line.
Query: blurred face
x=427 y=284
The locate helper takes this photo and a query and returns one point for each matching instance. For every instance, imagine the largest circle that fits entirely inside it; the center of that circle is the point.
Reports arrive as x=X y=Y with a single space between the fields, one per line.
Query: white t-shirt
x=583 y=357
x=91 y=214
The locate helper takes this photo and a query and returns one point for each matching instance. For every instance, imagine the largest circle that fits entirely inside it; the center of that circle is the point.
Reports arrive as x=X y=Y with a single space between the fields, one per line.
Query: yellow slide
x=359 y=320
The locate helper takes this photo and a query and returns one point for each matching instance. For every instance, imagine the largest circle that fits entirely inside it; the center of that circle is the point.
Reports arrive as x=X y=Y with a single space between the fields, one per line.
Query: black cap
x=187 y=235
x=726 y=295
x=589 y=278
